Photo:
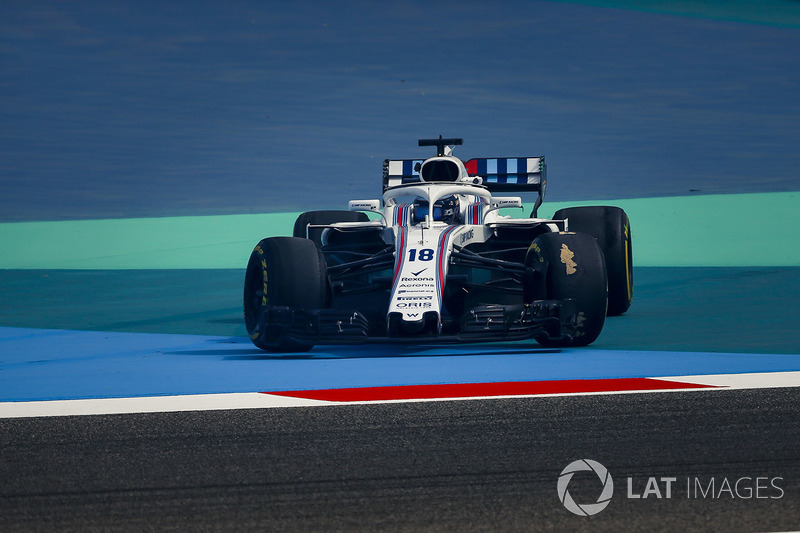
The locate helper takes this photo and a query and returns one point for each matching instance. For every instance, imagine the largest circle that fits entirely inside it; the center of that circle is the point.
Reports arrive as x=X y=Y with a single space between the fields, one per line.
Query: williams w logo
x=585 y=509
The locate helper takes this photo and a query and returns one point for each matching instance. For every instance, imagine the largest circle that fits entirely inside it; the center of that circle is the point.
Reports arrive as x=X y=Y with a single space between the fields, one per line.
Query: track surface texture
x=455 y=466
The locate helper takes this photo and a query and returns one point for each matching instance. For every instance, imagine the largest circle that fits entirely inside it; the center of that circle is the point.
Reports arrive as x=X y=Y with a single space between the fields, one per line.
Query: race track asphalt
x=480 y=465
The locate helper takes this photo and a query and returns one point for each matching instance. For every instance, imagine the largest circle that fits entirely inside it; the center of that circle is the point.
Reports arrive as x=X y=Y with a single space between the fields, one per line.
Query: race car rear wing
x=500 y=174
x=506 y=174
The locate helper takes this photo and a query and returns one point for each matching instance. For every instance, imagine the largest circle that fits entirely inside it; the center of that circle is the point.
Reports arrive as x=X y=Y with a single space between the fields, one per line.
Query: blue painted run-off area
x=59 y=364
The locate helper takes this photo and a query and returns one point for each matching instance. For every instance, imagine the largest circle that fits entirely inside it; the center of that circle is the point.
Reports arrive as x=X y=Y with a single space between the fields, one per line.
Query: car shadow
x=240 y=349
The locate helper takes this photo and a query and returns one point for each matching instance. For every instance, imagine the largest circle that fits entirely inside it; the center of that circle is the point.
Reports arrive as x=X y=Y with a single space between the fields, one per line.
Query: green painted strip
x=145 y=243
x=714 y=230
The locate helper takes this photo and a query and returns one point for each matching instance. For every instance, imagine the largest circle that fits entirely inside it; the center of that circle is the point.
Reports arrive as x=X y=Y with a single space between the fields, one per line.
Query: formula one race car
x=437 y=261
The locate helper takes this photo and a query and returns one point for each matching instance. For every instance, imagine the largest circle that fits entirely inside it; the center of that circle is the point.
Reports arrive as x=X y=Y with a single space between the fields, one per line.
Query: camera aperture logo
x=585 y=509
x=668 y=487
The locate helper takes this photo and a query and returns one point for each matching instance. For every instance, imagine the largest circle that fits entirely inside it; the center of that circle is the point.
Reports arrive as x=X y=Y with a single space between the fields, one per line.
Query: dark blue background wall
x=123 y=108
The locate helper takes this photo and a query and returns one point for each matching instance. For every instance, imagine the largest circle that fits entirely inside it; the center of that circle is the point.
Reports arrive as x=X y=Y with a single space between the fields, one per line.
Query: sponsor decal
x=567 y=258
x=507 y=201
x=419 y=292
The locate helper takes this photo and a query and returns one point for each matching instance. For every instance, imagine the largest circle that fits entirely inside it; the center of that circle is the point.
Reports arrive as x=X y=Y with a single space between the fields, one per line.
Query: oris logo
x=585 y=509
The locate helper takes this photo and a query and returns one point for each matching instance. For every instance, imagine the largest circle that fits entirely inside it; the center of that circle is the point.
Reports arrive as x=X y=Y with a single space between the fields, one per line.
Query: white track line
x=257 y=400
x=151 y=404
x=761 y=380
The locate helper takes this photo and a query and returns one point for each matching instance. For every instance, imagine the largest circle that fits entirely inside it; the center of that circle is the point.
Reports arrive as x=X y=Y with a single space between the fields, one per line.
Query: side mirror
x=373 y=206
x=499 y=202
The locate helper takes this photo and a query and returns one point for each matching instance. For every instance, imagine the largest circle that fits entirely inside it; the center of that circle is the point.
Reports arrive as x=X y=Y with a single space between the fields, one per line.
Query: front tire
x=282 y=271
x=612 y=229
x=573 y=267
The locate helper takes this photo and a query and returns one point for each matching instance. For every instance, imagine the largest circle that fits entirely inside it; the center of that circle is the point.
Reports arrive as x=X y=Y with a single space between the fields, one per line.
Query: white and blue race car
x=435 y=260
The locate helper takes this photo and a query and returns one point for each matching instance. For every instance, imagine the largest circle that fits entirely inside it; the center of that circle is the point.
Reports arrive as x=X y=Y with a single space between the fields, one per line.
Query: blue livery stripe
x=502 y=166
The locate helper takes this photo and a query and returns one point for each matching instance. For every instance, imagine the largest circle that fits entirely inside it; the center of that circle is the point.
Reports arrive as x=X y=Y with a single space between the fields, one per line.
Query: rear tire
x=612 y=229
x=323 y=218
x=574 y=268
x=282 y=271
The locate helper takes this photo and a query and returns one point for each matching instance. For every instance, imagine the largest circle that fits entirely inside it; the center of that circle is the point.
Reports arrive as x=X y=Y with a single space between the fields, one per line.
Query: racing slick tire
x=612 y=229
x=573 y=267
x=282 y=271
x=322 y=218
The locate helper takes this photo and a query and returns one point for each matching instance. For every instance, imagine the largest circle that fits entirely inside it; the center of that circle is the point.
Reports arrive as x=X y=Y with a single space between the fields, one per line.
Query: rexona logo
x=585 y=509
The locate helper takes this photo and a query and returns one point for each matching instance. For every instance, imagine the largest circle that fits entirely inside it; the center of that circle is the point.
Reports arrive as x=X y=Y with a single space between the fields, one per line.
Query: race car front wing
x=550 y=319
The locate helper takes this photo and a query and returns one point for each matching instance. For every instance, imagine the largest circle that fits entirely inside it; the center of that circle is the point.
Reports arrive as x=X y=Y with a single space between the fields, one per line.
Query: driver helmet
x=445 y=209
